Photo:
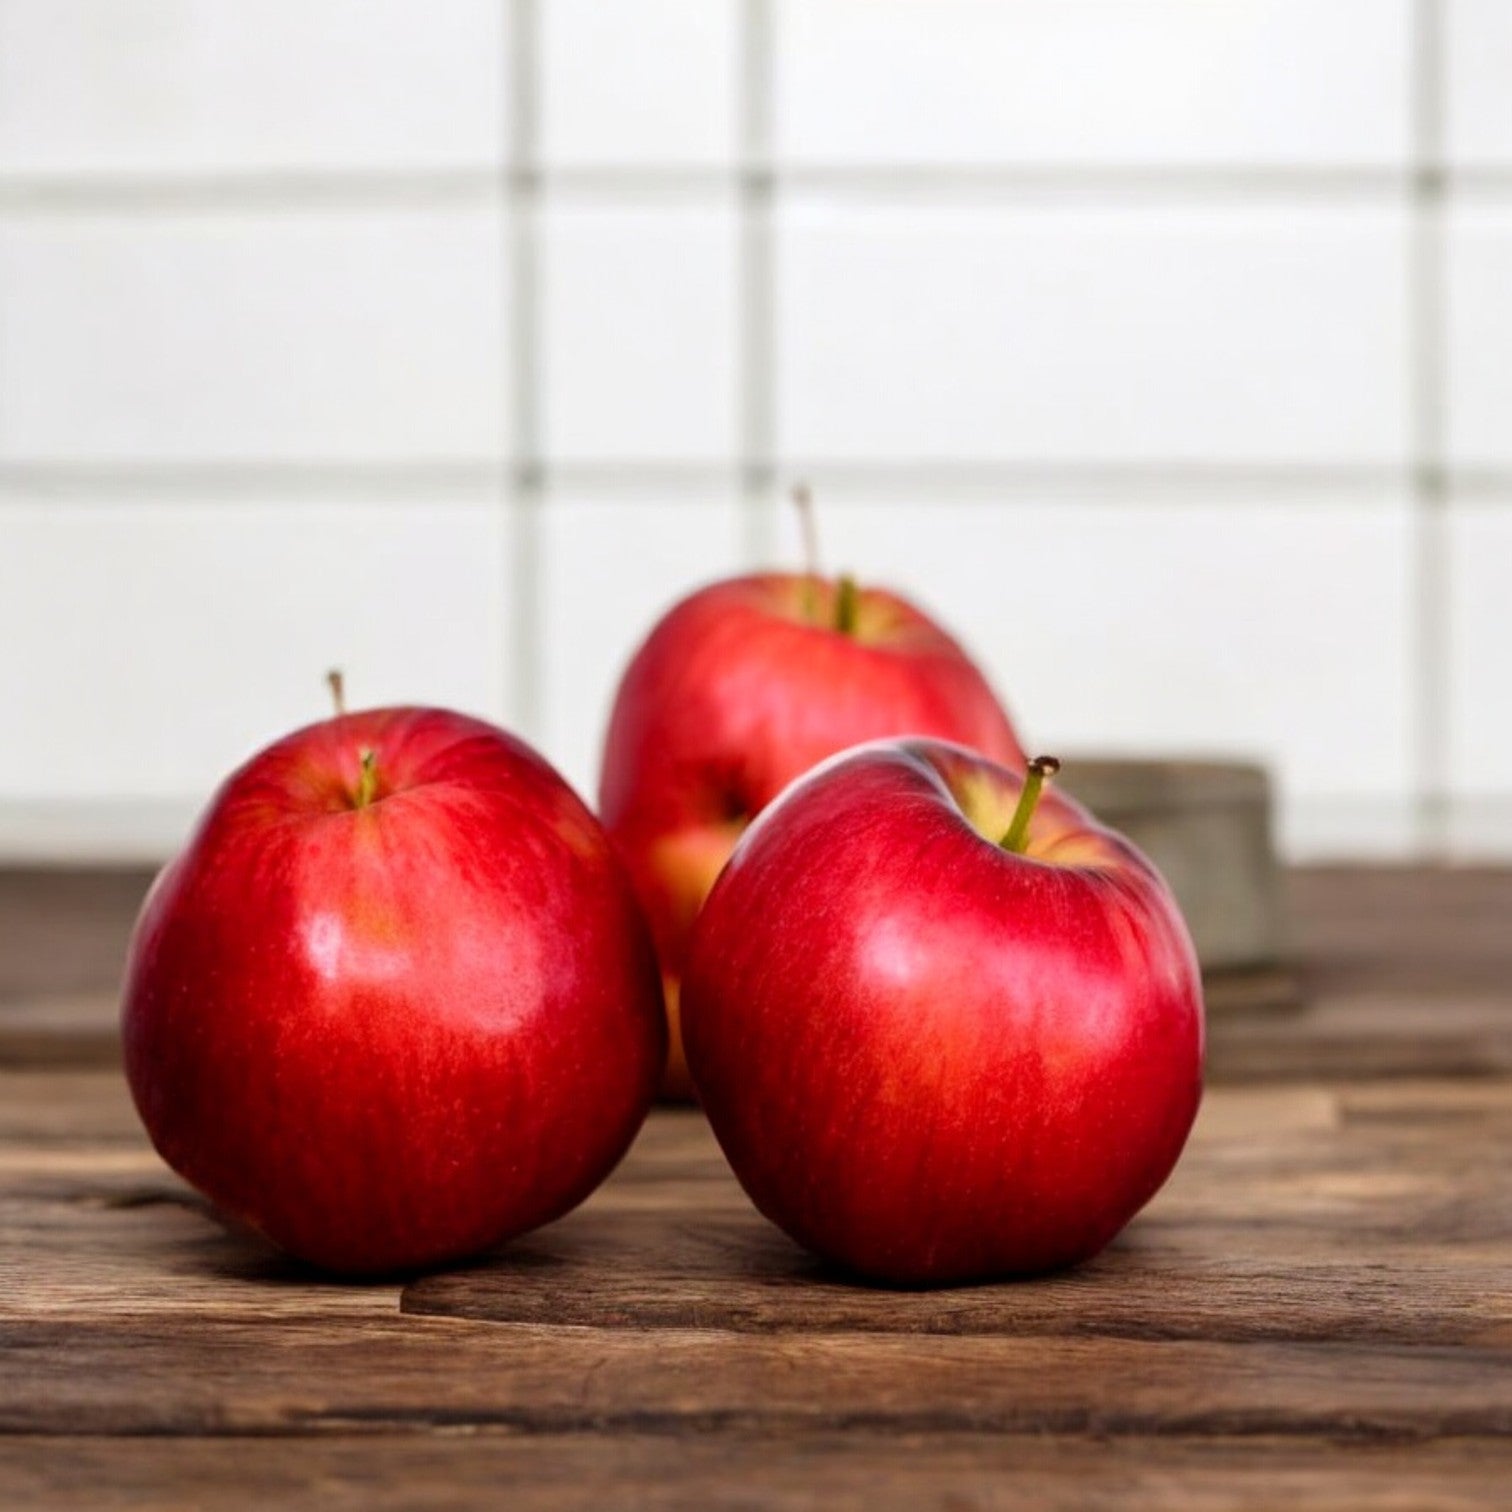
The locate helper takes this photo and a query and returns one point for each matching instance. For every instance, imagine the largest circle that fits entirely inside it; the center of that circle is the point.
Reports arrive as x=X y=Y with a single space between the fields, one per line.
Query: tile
x=1480 y=651
x=1480 y=830
x=188 y=86
x=639 y=332
x=1086 y=82
x=1262 y=629
x=1478 y=64
x=1065 y=333
x=610 y=568
x=1341 y=827
x=94 y=832
x=145 y=649
x=321 y=335
x=650 y=83
x=1479 y=323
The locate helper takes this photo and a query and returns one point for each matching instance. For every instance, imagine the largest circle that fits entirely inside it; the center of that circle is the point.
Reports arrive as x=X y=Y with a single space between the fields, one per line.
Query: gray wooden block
x=1207 y=826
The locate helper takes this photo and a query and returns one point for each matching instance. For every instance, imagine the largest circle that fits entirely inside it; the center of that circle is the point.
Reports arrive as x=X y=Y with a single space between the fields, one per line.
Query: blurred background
x=1160 y=346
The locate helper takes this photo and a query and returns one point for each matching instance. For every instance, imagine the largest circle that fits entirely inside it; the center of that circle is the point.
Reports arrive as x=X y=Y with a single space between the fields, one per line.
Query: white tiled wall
x=610 y=567
x=651 y=82
x=200 y=86
x=1478 y=34
x=639 y=325
x=1142 y=626
x=150 y=647
x=1160 y=345
x=1479 y=304
x=1480 y=731
x=1092 y=334
x=198 y=336
x=1094 y=83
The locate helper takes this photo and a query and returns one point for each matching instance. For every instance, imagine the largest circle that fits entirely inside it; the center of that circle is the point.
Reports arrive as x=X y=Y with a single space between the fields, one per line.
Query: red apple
x=739 y=689
x=936 y=1039
x=396 y=1001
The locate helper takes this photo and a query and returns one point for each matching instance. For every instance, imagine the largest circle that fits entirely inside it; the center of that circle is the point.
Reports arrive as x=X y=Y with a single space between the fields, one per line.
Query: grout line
x=757 y=366
x=1464 y=484
x=518 y=176
x=267 y=481
x=1430 y=671
x=899 y=478
x=1001 y=183
x=522 y=490
x=989 y=480
x=150 y=194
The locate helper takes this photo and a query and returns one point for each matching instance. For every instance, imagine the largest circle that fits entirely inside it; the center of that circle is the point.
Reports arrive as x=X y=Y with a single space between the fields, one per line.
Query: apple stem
x=1041 y=770
x=803 y=502
x=367 y=782
x=845 y=596
x=845 y=605
x=337 y=684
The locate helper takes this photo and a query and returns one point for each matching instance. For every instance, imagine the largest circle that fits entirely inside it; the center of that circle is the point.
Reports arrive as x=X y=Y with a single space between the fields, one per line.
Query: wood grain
x=209 y=1375
x=841 y=1472
x=1396 y=1226
x=1329 y=1260
x=1334 y=1034
x=60 y=1032
x=63 y=930
x=1428 y=931
x=1316 y=1311
x=735 y=1272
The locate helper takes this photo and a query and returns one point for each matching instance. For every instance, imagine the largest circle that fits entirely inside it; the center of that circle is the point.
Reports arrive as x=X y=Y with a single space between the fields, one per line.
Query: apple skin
x=740 y=688
x=929 y=1059
x=394 y=1035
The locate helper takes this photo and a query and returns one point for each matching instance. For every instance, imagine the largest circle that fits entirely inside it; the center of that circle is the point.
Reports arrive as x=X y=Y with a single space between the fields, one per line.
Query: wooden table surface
x=1316 y=1312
